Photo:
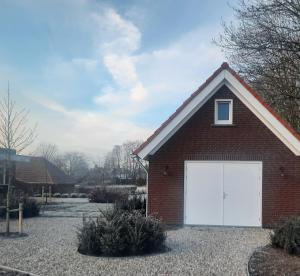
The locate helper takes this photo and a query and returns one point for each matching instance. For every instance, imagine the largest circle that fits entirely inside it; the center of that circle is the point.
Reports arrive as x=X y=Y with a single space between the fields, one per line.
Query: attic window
x=223 y=112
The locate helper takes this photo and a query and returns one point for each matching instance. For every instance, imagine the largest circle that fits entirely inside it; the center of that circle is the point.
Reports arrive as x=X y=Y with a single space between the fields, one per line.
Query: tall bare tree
x=47 y=150
x=74 y=164
x=263 y=44
x=120 y=164
x=15 y=134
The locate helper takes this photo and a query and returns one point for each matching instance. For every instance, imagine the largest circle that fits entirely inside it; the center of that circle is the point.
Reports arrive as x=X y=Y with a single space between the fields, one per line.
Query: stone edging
x=17 y=270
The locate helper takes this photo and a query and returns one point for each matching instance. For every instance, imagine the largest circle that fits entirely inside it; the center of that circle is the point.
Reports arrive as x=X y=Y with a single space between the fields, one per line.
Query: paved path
x=50 y=249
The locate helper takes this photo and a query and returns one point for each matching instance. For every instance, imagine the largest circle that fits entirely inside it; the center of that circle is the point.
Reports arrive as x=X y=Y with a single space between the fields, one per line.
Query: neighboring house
x=39 y=172
x=223 y=158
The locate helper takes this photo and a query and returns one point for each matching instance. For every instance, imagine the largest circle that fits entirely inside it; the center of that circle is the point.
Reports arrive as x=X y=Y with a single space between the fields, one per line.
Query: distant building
x=39 y=172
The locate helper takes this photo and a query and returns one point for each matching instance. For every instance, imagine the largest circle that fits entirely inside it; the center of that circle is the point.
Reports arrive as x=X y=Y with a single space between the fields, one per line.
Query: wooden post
x=20 y=218
x=8 y=206
x=4 y=173
x=50 y=193
x=43 y=191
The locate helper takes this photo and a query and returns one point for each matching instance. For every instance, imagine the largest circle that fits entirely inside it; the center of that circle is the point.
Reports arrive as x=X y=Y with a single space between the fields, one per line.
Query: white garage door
x=223 y=193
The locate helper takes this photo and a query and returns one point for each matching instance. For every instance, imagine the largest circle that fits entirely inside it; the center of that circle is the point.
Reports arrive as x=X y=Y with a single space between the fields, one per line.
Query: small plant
x=121 y=233
x=106 y=195
x=287 y=236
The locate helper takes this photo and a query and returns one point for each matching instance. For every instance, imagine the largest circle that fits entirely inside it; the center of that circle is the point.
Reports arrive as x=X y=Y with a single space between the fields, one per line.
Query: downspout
x=138 y=159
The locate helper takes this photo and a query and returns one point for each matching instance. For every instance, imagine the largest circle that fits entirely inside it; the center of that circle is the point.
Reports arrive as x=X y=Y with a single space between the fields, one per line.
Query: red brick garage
x=223 y=158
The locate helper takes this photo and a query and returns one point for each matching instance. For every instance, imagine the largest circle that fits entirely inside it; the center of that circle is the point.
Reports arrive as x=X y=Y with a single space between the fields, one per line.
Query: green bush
x=121 y=233
x=287 y=236
x=134 y=202
x=106 y=195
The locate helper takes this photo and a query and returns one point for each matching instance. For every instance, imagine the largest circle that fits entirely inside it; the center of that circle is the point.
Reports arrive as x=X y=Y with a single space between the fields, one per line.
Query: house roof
x=40 y=171
x=224 y=75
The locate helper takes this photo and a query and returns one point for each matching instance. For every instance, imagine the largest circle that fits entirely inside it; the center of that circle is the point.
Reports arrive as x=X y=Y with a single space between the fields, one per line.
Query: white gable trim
x=224 y=77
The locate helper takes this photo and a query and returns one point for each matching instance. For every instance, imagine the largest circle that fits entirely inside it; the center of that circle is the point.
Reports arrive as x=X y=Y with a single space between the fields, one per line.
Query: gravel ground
x=50 y=249
x=72 y=208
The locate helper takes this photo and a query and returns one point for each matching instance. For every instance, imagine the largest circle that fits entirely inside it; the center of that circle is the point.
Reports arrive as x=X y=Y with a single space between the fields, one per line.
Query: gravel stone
x=50 y=249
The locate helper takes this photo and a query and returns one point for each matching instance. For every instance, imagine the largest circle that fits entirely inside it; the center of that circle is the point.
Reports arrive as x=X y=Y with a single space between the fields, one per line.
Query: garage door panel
x=204 y=194
x=242 y=201
x=223 y=193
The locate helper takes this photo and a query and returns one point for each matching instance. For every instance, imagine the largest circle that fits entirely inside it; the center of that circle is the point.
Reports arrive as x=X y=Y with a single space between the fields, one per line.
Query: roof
x=224 y=75
x=40 y=171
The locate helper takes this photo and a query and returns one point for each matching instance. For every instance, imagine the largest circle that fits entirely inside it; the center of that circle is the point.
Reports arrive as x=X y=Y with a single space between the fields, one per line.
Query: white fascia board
x=246 y=97
x=183 y=116
x=262 y=113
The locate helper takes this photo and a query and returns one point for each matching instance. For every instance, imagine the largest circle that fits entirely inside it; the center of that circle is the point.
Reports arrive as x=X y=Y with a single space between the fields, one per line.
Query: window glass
x=223 y=110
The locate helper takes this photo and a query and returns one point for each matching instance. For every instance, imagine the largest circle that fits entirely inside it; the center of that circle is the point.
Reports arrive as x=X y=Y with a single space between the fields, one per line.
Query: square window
x=223 y=112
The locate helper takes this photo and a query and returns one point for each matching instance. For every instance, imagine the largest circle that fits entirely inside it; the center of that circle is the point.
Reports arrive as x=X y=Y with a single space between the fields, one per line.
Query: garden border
x=17 y=270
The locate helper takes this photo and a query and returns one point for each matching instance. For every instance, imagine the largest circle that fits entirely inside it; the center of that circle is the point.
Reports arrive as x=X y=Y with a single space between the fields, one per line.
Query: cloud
x=138 y=93
x=91 y=132
x=122 y=69
x=120 y=38
x=115 y=34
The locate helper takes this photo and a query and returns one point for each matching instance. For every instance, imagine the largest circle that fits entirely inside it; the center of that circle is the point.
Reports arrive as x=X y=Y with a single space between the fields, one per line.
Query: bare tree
x=120 y=164
x=264 y=45
x=14 y=130
x=74 y=164
x=15 y=135
x=47 y=150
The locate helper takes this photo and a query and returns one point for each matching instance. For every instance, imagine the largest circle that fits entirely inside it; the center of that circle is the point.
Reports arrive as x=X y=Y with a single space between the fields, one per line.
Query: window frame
x=223 y=122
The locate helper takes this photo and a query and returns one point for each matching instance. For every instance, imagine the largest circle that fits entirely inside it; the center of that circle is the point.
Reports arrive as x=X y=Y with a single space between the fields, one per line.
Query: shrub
x=74 y=195
x=82 y=195
x=287 y=235
x=135 y=202
x=31 y=208
x=65 y=195
x=120 y=233
x=56 y=195
x=105 y=195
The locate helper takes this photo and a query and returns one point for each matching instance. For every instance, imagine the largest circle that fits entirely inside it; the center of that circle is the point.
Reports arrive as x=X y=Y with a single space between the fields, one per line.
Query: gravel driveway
x=50 y=249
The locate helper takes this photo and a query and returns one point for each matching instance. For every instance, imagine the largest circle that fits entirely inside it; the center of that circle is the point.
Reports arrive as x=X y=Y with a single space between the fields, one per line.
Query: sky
x=98 y=73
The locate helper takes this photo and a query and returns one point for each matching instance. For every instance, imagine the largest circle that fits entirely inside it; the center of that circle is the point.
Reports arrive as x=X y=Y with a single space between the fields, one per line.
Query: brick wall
x=247 y=139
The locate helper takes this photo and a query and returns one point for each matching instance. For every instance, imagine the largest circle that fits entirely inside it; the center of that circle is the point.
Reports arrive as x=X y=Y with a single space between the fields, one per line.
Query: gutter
x=138 y=159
